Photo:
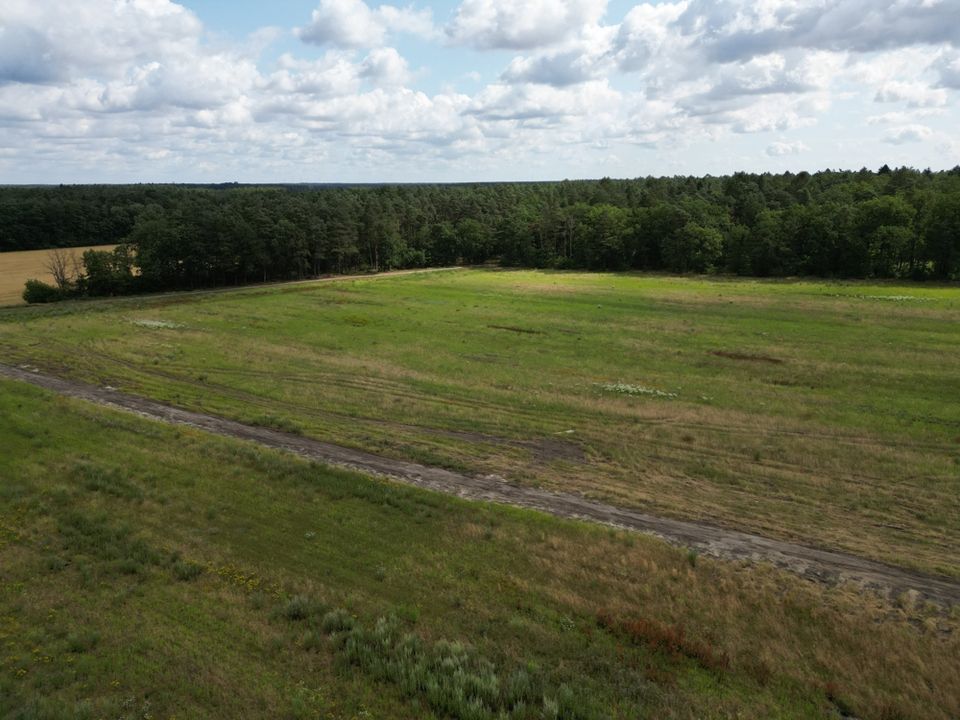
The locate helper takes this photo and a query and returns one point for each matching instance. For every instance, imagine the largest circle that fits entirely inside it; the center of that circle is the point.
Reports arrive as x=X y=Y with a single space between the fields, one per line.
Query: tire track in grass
x=814 y=563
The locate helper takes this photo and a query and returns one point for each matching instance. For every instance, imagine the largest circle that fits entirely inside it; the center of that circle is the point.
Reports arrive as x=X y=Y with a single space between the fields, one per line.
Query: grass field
x=148 y=571
x=810 y=411
x=18 y=267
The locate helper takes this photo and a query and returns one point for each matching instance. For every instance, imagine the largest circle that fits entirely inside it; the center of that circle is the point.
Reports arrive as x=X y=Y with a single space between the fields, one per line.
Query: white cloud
x=907 y=134
x=332 y=75
x=649 y=32
x=737 y=29
x=914 y=94
x=948 y=68
x=352 y=24
x=95 y=36
x=506 y=24
x=559 y=69
x=782 y=148
x=385 y=66
x=904 y=117
x=544 y=103
x=136 y=84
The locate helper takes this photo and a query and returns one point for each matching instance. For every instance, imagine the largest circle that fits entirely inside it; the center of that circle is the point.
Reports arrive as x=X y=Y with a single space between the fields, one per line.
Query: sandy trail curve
x=817 y=564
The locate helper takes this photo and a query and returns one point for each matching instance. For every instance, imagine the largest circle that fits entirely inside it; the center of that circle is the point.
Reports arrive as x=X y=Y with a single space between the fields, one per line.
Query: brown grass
x=865 y=654
x=748 y=357
x=672 y=639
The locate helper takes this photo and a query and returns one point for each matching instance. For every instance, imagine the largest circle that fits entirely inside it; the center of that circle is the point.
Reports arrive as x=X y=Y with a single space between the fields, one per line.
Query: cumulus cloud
x=948 y=68
x=332 y=75
x=353 y=24
x=782 y=148
x=385 y=66
x=647 y=31
x=737 y=29
x=95 y=36
x=913 y=94
x=543 y=103
x=114 y=83
x=907 y=134
x=559 y=69
x=904 y=117
x=26 y=56
x=506 y=24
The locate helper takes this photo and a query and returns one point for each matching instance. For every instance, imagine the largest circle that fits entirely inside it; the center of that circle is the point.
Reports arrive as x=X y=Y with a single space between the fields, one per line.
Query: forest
x=890 y=223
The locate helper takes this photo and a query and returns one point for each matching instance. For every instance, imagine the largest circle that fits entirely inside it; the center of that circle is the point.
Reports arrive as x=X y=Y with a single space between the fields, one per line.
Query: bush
x=36 y=291
x=299 y=607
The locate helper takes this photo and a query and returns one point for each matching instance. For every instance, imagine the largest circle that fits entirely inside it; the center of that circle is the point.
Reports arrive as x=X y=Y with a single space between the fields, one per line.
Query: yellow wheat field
x=18 y=267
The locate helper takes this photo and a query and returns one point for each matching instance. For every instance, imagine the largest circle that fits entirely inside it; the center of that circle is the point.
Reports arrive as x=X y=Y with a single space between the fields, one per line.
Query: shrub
x=36 y=291
x=299 y=607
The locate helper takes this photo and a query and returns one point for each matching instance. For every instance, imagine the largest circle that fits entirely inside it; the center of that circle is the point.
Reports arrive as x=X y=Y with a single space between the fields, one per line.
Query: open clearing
x=809 y=412
x=812 y=563
x=158 y=570
x=18 y=267
x=151 y=570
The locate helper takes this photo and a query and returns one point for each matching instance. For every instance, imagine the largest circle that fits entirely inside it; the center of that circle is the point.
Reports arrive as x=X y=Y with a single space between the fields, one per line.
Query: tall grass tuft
x=452 y=678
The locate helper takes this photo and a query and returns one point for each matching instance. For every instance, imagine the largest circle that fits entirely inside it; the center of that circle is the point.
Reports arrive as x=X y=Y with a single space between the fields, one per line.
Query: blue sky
x=348 y=90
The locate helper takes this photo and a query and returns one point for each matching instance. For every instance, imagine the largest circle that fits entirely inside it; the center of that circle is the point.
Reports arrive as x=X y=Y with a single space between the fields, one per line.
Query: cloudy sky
x=348 y=90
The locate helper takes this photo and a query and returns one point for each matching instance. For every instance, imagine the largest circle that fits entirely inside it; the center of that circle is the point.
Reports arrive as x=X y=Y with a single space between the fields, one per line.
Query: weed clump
x=106 y=481
x=451 y=677
x=337 y=621
x=185 y=571
x=299 y=607
x=96 y=537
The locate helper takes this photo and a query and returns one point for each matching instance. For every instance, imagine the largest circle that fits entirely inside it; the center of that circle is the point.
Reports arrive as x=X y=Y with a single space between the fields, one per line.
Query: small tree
x=63 y=266
x=109 y=272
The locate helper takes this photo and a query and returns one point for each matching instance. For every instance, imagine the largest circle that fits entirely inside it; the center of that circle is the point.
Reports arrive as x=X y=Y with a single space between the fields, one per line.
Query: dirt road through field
x=822 y=565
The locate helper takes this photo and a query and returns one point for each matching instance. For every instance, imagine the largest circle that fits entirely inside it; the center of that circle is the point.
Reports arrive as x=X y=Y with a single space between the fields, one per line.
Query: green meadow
x=817 y=412
x=148 y=571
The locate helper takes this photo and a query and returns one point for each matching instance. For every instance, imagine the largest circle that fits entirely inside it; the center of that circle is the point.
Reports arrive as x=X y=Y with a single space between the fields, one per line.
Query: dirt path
x=817 y=564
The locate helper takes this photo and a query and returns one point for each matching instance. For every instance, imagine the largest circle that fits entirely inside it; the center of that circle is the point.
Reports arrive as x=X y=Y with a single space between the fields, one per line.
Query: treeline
x=890 y=224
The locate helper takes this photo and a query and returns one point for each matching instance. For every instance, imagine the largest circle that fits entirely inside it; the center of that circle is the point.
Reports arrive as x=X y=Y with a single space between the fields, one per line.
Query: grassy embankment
x=812 y=411
x=152 y=571
x=18 y=267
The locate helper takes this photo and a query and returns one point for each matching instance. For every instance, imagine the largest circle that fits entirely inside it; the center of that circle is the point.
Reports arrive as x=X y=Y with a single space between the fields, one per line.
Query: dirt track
x=821 y=565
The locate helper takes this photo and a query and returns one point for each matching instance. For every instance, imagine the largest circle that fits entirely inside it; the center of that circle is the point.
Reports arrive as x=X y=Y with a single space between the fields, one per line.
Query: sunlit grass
x=152 y=570
x=813 y=411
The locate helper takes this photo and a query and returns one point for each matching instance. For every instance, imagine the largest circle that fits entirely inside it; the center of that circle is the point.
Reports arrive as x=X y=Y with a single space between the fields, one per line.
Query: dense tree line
x=887 y=224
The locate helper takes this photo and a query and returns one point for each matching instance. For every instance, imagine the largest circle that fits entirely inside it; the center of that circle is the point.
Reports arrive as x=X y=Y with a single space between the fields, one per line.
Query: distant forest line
x=900 y=223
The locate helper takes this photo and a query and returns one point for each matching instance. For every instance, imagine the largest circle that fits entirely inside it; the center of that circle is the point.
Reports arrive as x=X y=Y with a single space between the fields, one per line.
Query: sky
x=110 y=91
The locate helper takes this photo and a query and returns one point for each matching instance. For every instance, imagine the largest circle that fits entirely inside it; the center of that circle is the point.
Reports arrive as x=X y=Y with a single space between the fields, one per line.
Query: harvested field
x=18 y=267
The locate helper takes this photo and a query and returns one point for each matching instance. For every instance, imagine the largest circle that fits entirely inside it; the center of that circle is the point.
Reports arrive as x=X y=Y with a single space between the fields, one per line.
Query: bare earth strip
x=821 y=565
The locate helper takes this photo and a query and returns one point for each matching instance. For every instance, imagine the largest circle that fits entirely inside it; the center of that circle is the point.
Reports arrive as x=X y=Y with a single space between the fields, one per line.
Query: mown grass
x=812 y=411
x=152 y=571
